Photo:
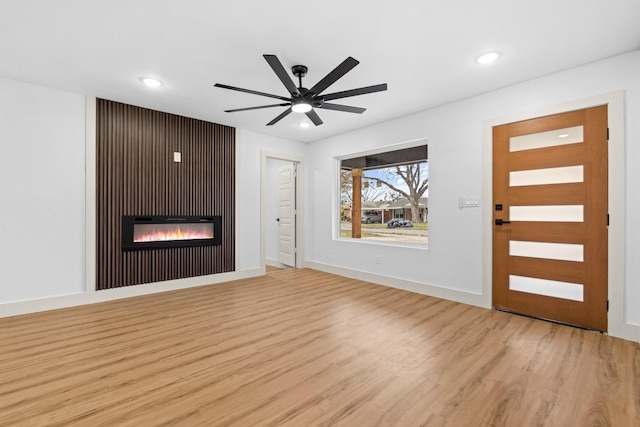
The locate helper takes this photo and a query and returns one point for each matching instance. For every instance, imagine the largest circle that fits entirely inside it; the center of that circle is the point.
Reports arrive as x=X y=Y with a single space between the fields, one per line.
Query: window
x=392 y=193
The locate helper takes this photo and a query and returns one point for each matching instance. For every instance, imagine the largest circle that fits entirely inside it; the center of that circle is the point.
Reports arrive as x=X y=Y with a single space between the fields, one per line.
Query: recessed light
x=564 y=135
x=488 y=58
x=151 y=82
x=304 y=125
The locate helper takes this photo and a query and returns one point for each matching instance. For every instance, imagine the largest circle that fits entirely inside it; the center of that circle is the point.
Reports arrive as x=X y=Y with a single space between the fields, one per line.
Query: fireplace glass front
x=157 y=232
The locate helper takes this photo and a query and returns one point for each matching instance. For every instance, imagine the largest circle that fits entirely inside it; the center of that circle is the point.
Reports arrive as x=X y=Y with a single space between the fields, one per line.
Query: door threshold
x=504 y=310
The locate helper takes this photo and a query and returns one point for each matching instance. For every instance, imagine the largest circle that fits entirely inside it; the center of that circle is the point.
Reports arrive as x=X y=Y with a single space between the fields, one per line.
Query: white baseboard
x=63 y=301
x=272 y=263
x=627 y=331
x=276 y=264
x=407 y=285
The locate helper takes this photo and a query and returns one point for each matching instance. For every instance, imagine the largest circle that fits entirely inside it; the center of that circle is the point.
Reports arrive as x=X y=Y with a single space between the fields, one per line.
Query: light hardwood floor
x=305 y=348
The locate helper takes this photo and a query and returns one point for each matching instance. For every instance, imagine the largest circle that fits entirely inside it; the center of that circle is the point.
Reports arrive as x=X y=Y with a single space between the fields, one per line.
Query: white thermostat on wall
x=177 y=157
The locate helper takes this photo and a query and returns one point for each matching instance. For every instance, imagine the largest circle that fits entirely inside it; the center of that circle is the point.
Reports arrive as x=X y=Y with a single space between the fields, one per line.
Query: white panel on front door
x=550 y=288
x=547 y=176
x=287 y=217
x=559 y=251
x=555 y=213
x=547 y=139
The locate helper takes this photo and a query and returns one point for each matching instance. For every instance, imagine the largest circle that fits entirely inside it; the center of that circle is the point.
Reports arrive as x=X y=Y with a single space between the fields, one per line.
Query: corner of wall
x=90 y=195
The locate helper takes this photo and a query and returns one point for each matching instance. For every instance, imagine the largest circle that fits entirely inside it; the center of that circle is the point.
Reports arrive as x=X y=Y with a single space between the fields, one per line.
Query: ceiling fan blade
x=282 y=74
x=256 y=108
x=334 y=75
x=313 y=116
x=284 y=114
x=254 y=92
x=355 y=92
x=345 y=108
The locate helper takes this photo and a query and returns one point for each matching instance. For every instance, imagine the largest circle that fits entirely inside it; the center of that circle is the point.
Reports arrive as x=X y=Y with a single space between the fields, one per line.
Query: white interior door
x=287 y=215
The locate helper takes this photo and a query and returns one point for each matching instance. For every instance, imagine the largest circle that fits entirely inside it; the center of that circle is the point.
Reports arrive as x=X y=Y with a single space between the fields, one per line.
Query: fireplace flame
x=185 y=232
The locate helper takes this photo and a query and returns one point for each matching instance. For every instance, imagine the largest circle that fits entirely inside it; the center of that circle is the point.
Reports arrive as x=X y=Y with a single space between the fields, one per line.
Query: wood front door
x=550 y=179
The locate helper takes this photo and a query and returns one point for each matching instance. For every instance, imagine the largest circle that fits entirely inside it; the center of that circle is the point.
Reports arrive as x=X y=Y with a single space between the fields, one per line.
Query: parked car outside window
x=371 y=216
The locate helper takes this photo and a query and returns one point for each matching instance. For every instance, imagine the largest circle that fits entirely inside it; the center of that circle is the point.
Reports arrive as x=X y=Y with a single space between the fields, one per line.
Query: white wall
x=251 y=148
x=452 y=265
x=42 y=194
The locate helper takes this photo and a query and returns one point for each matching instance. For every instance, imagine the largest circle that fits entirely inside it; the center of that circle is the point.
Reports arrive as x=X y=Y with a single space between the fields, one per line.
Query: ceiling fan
x=303 y=100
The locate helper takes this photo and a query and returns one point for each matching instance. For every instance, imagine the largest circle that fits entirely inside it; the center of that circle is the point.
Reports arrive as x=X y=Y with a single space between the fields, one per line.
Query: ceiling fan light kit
x=303 y=100
x=300 y=106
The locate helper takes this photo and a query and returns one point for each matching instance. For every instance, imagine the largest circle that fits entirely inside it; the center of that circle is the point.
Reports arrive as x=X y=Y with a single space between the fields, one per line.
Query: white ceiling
x=424 y=50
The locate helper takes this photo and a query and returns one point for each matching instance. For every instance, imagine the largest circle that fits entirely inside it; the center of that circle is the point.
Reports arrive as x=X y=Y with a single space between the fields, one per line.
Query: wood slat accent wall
x=136 y=175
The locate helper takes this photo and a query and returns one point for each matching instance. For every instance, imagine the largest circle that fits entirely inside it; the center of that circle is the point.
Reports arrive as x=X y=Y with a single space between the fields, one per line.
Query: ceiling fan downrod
x=299 y=71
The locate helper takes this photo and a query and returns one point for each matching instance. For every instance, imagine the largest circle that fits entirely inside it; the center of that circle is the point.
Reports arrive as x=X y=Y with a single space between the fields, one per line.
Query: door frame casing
x=265 y=155
x=617 y=326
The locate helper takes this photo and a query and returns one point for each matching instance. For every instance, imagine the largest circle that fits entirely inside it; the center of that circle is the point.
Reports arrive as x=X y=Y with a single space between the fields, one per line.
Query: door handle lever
x=500 y=222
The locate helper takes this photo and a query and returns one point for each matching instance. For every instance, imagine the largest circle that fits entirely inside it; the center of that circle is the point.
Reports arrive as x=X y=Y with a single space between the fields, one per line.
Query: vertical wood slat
x=136 y=175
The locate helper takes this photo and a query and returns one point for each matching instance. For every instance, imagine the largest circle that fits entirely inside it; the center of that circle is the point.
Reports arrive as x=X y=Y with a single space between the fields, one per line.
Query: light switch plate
x=177 y=156
x=468 y=202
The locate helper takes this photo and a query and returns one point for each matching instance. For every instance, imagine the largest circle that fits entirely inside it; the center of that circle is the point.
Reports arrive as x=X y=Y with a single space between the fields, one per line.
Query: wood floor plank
x=306 y=348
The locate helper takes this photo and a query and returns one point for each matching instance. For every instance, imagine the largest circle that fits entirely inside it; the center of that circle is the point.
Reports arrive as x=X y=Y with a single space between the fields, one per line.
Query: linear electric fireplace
x=159 y=232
